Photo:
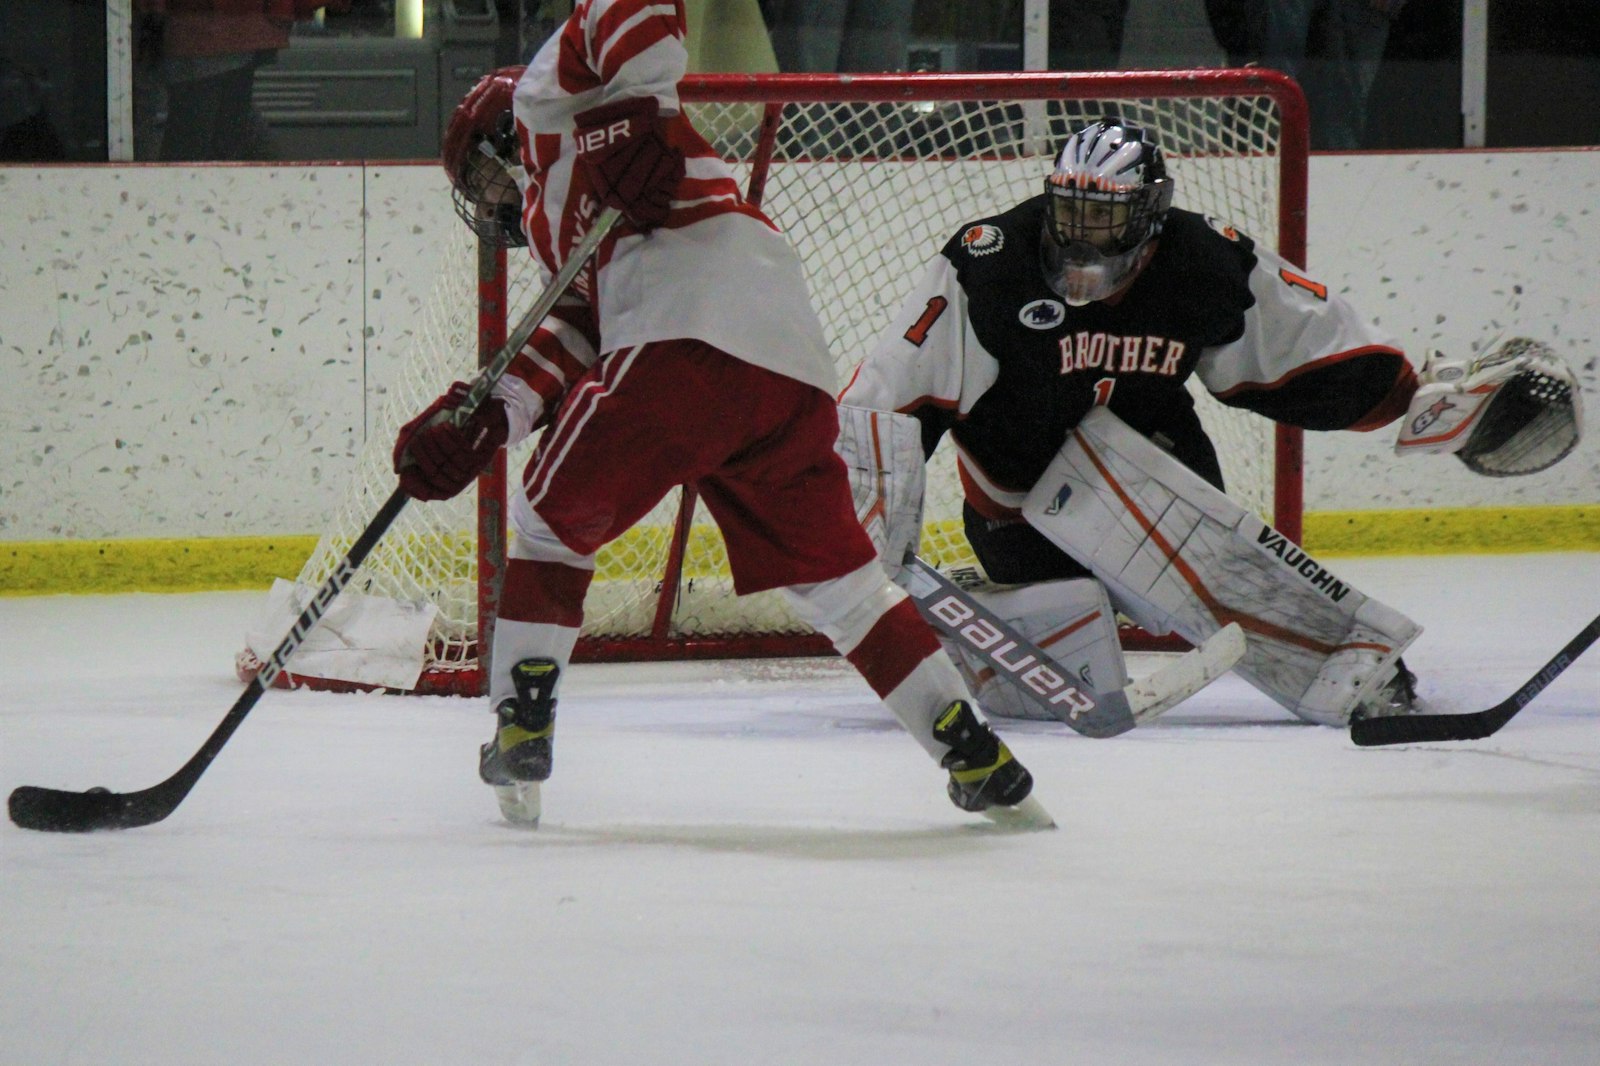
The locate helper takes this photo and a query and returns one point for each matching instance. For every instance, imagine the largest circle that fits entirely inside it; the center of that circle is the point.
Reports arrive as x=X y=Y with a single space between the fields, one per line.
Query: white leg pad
x=883 y=452
x=1174 y=552
x=1071 y=620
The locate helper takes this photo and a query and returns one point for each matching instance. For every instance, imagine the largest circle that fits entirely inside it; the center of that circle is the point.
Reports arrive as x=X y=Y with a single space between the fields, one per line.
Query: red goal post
x=868 y=175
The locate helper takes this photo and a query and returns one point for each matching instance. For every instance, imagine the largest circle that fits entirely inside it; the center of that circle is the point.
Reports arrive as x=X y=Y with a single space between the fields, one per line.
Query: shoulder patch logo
x=983 y=240
x=1043 y=314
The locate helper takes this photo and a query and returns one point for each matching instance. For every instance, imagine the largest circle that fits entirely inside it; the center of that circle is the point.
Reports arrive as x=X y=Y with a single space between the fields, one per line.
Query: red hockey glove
x=623 y=149
x=434 y=459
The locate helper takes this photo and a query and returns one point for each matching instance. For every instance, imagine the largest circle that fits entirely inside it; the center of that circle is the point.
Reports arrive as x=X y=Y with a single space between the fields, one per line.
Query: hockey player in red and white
x=1055 y=341
x=687 y=353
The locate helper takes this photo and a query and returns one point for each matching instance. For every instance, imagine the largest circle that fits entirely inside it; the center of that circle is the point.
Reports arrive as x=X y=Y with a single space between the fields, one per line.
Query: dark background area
x=1543 y=72
x=1543 y=76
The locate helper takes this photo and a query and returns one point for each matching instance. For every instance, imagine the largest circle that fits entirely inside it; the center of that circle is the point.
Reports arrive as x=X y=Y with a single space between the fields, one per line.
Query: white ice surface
x=748 y=863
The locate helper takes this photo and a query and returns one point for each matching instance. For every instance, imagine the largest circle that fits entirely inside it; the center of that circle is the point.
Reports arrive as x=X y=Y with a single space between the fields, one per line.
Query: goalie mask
x=1108 y=196
x=481 y=156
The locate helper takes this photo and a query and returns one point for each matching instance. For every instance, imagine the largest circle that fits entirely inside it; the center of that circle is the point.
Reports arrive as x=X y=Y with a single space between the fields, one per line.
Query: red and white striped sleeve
x=560 y=351
x=610 y=50
x=637 y=48
x=624 y=48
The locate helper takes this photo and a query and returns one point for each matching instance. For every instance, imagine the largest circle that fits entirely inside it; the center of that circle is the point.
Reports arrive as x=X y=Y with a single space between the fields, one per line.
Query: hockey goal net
x=868 y=176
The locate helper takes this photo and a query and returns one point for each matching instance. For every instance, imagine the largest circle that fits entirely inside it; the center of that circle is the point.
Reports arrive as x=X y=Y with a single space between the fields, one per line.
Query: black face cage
x=486 y=196
x=1147 y=206
x=501 y=224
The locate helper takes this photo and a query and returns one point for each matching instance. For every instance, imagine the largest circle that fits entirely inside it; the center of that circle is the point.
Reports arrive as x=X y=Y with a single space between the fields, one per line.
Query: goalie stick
x=1471 y=725
x=1034 y=673
x=60 y=811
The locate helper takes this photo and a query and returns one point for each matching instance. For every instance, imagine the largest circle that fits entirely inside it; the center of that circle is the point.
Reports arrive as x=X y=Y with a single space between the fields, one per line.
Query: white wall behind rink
x=197 y=351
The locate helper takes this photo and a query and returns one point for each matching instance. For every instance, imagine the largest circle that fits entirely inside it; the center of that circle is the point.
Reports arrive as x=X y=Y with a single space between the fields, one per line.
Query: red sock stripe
x=551 y=593
x=896 y=644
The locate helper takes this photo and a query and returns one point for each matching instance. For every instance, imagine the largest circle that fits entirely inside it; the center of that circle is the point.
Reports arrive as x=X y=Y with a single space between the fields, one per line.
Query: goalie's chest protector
x=1057 y=361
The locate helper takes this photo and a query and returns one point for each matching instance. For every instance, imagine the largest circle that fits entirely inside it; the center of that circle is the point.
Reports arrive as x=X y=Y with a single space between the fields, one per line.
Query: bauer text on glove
x=624 y=152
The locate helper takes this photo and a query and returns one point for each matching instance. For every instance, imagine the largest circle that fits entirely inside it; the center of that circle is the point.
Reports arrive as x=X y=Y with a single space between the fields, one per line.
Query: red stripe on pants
x=897 y=644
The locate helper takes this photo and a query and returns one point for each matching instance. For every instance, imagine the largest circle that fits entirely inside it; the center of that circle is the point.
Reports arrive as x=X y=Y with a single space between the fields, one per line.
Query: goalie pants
x=758 y=447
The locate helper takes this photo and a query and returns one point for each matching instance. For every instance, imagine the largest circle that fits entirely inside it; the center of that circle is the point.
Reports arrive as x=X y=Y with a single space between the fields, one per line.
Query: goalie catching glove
x=1513 y=411
x=435 y=458
x=624 y=151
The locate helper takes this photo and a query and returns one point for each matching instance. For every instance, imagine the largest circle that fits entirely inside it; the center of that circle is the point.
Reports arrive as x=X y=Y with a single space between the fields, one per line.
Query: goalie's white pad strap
x=1516 y=410
x=1071 y=620
x=883 y=451
x=1177 y=555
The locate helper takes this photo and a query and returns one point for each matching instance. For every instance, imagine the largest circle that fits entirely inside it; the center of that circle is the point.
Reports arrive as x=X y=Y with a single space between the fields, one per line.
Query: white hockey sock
x=922 y=696
x=876 y=626
x=515 y=641
x=541 y=607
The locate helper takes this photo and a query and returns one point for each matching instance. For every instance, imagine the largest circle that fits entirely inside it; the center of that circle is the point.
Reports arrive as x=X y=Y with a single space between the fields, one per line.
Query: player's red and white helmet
x=481 y=156
x=1109 y=194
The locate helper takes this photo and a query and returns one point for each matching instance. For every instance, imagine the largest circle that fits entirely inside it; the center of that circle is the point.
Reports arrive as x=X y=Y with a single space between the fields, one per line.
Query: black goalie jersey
x=985 y=350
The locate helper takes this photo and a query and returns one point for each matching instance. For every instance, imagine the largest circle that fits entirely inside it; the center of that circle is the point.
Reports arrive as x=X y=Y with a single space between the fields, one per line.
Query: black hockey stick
x=55 y=810
x=60 y=811
x=1472 y=725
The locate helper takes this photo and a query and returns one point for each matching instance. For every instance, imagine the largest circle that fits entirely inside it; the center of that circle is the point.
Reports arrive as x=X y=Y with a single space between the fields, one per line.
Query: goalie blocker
x=1177 y=555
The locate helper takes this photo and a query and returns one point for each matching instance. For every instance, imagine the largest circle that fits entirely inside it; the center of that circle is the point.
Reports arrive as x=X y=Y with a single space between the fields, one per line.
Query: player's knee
x=845 y=608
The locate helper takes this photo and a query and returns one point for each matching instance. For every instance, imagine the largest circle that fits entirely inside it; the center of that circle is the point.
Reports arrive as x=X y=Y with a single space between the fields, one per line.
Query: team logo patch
x=1043 y=314
x=1424 y=421
x=1063 y=494
x=983 y=240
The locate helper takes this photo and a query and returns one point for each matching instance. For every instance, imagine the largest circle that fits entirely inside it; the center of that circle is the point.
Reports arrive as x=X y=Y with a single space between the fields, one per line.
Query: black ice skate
x=983 y=772
x=519 y=756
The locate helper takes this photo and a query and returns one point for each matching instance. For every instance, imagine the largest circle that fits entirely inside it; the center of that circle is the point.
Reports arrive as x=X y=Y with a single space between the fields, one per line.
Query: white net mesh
x=867 y=192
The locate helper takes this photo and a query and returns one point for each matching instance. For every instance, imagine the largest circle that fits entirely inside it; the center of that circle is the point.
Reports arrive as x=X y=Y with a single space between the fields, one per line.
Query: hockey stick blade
x=957 y=615
x=1190 y=672
x=53 y=810
x=1472 y=725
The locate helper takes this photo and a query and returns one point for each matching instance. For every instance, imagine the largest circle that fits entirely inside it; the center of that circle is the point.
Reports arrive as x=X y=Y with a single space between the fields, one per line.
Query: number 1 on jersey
x=1315 y=288
x=1102 y=391
x=919 y=329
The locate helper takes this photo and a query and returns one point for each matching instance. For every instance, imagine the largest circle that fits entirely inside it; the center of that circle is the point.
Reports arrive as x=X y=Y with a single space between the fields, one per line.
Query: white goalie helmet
x=1109 y=194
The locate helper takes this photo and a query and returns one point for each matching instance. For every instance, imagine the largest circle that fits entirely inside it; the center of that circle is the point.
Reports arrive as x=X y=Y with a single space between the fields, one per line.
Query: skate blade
x=1025 y=817
x=520 y=804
